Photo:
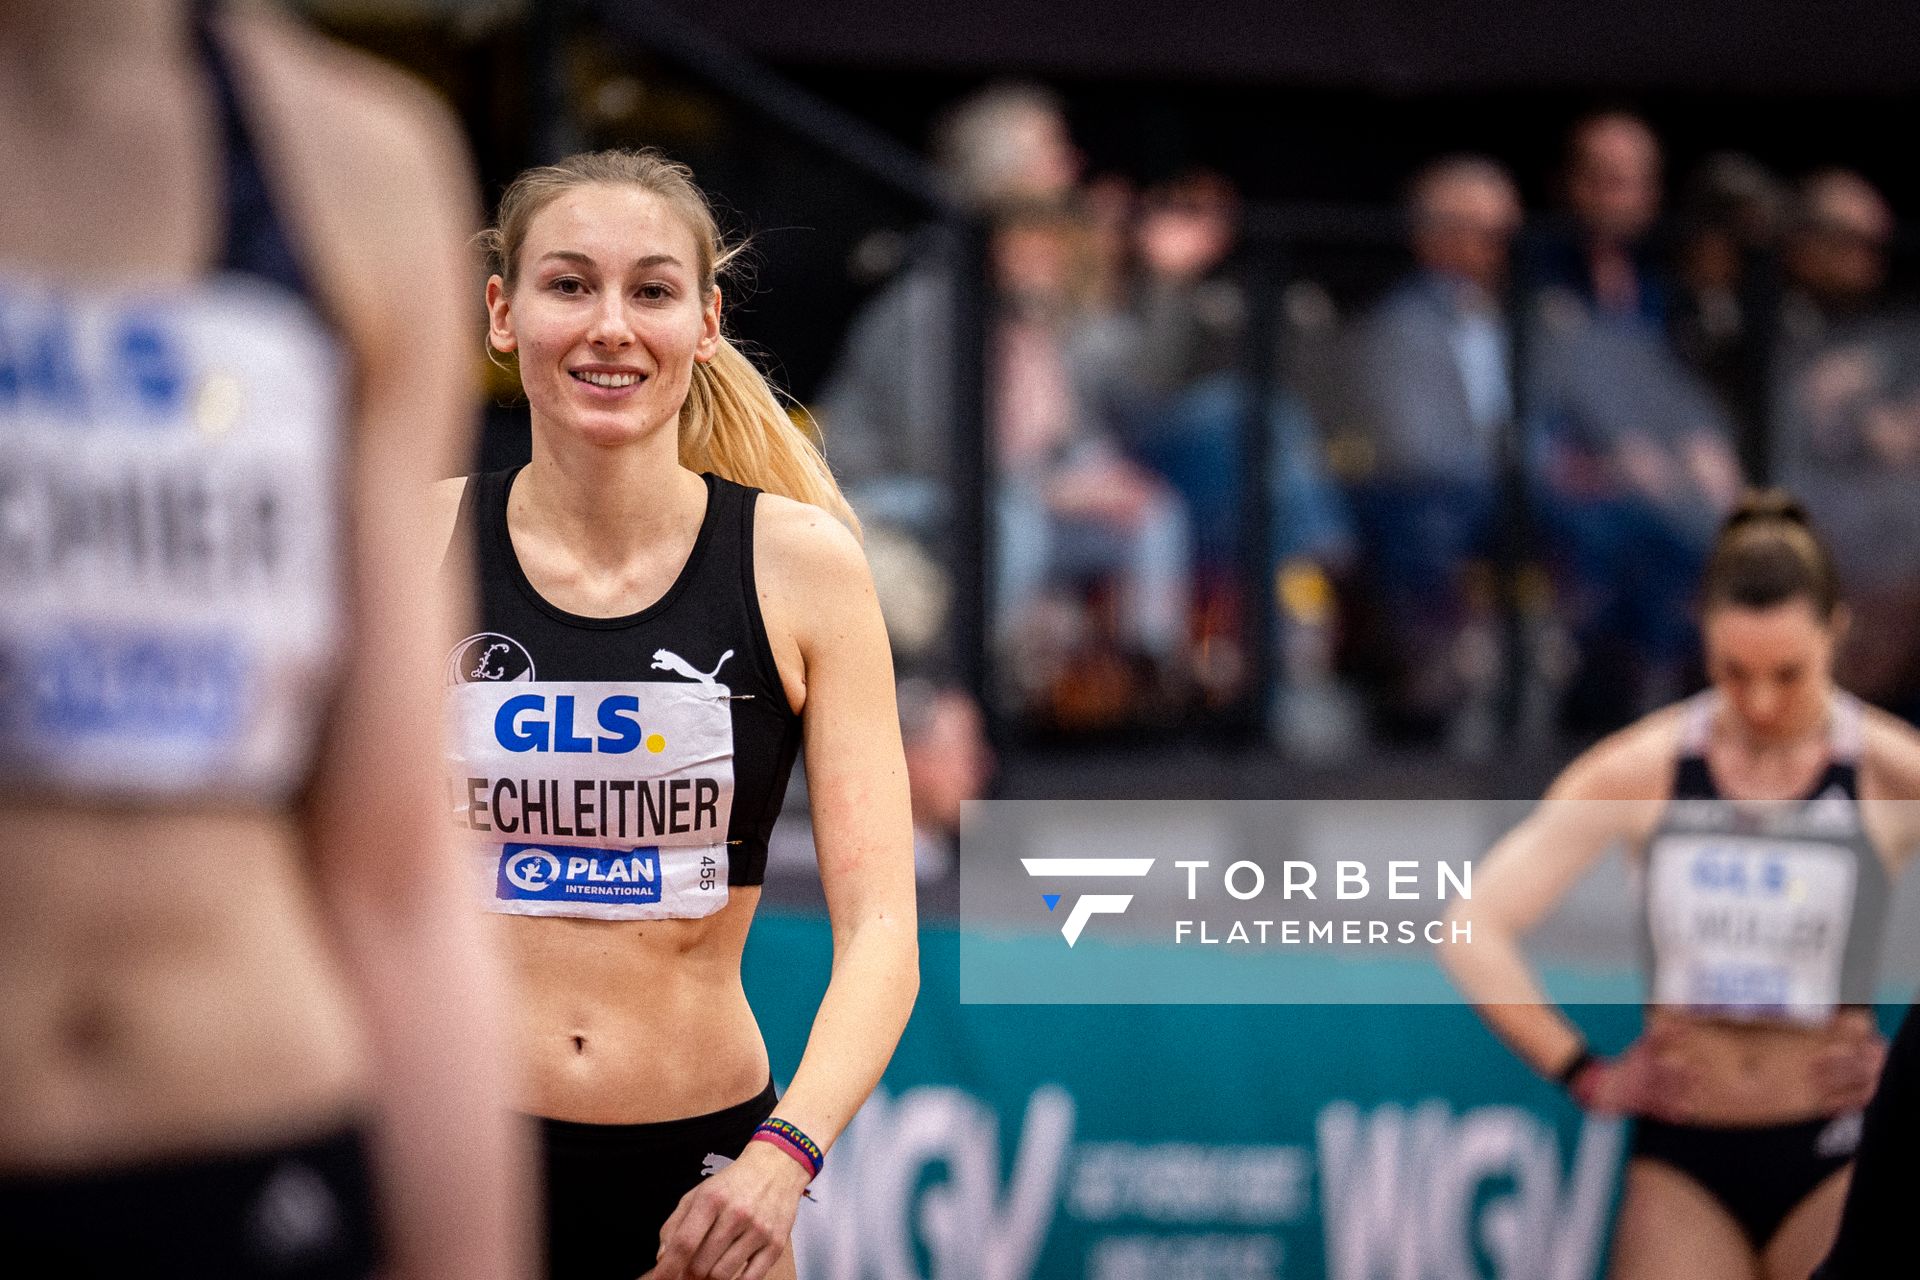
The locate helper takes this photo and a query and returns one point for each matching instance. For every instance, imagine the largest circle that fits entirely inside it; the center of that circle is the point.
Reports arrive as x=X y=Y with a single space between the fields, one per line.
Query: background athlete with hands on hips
x=1767 y=818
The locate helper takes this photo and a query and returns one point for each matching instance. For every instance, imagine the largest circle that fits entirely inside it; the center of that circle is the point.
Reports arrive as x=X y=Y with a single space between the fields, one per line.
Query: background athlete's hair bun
x=1767 y=553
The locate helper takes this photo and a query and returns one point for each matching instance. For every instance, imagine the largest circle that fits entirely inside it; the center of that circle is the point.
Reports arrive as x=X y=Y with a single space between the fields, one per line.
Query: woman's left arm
x=862 y=823
x=824 y=622
x=1890 y=788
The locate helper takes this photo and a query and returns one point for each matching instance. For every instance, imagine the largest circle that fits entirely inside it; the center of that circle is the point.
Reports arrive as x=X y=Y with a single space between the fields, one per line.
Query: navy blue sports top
x=1765 y=911
x=618 y=768
x=170 y=516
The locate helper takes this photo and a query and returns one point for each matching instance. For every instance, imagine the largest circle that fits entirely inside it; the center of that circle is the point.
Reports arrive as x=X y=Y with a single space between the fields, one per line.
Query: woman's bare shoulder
x=1890 y=753
x=384 y=181
x=804 y=547
x=1634 y=763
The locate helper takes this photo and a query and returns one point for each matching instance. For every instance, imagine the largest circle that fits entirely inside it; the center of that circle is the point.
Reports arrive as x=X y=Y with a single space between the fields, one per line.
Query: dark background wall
x=1335 y=100
x=1847 y=45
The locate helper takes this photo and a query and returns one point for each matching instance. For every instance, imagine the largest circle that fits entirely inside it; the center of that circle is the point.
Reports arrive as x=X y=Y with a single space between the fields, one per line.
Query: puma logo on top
x=668 y=660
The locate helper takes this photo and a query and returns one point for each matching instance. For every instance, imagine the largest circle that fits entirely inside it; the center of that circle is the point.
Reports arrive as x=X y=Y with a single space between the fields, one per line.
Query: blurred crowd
x=1520 y=446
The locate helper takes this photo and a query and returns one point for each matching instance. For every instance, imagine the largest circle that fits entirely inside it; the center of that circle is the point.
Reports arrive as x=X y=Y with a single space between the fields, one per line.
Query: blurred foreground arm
x=385 y=202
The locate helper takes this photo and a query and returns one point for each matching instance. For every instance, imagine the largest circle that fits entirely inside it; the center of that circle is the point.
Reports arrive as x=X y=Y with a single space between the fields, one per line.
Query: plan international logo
x=1091 y=904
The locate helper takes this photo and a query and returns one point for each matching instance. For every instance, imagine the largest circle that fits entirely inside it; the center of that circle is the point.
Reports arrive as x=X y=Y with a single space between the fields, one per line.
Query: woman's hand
x=1847 y=1071
x=1646 y=1080
x=736 y=1224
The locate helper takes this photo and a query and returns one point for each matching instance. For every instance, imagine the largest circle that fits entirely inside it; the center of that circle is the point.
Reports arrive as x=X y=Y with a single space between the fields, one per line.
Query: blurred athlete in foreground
x=244 y=1017
x=1874 y=1225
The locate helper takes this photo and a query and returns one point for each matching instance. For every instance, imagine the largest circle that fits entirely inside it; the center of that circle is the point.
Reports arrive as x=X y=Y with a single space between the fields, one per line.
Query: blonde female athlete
x=244 y=1020
x=1761 y=818
x=658 y=637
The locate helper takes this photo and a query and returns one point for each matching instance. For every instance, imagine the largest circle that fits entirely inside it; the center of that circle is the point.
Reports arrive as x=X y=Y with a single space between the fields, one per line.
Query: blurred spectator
x=886 y=408
x=1007 y=145
x=1437 y=348
x=1836 y=255
x=1190 y=310
x=1613 y=195
x=1730 y=223
x=1107 y=204
x=1847 y=434
x=949 y=762
x=1630 y=455
x=1070 y=510
x=916 y=598
x=1633 y=465
x=1167 y=375
x=1071 y=506
x=1435 y=390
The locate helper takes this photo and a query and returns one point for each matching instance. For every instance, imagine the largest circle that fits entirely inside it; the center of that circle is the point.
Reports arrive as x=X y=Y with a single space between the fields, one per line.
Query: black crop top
x=619 y=768
x=1765 y=911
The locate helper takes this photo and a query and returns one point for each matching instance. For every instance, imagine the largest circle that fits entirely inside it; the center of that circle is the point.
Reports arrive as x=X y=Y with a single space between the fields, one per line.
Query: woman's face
x=1774 y=666
x=606 y=315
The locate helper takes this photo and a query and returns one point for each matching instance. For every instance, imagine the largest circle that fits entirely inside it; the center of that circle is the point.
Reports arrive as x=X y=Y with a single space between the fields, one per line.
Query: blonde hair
x=732 y=423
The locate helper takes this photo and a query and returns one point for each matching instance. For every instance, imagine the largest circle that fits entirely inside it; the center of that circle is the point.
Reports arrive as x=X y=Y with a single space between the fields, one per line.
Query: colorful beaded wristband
x=789 y=1139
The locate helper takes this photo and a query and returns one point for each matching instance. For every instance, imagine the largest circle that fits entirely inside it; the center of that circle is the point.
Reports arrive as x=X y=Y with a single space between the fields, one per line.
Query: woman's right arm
x=1609 y=795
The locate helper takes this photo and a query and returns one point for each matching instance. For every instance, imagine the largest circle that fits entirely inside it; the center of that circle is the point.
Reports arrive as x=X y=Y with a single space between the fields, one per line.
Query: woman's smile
x=607 y=382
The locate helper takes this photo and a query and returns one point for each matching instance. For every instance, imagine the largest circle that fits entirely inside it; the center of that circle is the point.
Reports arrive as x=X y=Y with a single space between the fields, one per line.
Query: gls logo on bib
x=531 y=873
x=523 y=723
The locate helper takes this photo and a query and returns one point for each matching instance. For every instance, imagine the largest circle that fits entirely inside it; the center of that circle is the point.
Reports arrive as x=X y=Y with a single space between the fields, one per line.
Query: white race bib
x=1749 y=925
x=609 y=800
x=169 y=494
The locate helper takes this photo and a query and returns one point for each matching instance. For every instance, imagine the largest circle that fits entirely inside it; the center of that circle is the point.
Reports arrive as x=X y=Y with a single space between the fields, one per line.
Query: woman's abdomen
x=1751 y=1073
x=631 y=1022
x=165 y=989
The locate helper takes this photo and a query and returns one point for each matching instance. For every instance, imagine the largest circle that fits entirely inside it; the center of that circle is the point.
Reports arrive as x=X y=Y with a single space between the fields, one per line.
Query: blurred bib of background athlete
x=169 y=483
x=1750 y=925
x=609 y=800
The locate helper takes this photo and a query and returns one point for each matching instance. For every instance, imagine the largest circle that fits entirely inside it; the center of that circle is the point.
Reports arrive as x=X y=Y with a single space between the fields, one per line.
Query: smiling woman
x=679 y=635
x=631 y=228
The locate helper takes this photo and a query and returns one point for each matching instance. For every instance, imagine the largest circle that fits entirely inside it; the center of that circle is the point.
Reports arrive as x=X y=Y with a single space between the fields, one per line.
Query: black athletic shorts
x=299 y=1212
x=1757 y=1174
x=611 y=1187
